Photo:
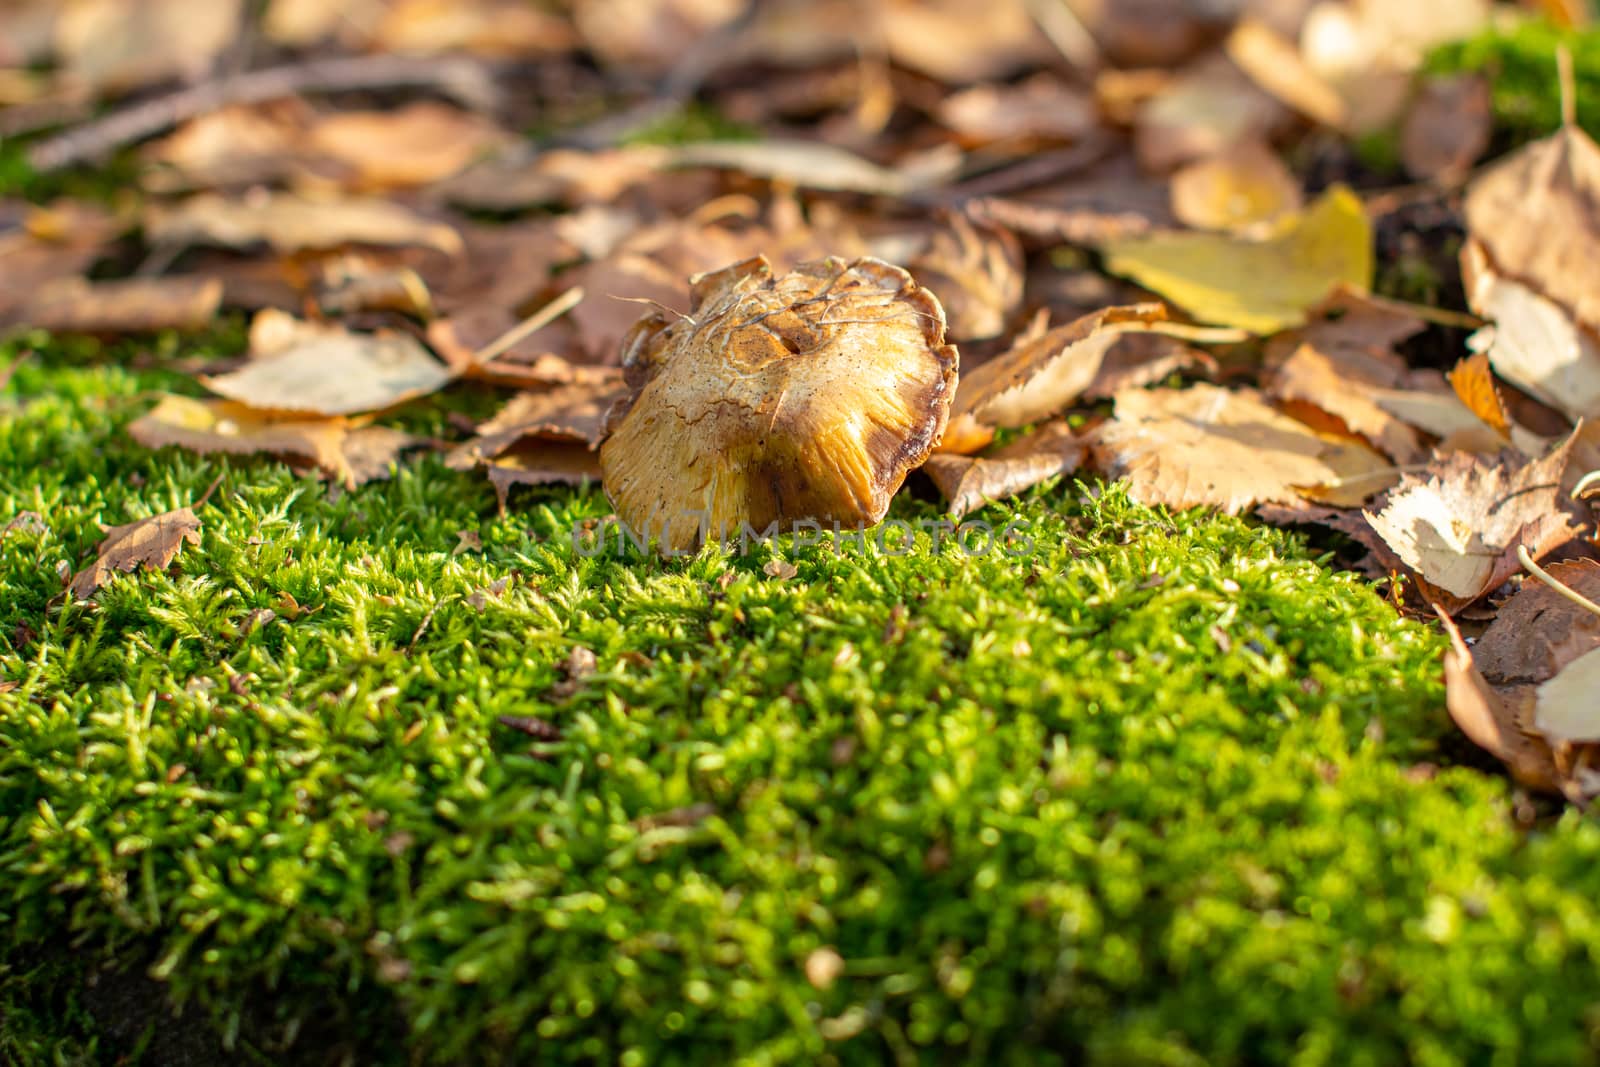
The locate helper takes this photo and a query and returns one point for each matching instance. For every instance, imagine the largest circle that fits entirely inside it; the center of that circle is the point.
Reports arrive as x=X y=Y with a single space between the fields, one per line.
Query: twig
x=1569 y=91
x=543 y=317
x=464 y=79
x=1062 y=27
x=1557 y=586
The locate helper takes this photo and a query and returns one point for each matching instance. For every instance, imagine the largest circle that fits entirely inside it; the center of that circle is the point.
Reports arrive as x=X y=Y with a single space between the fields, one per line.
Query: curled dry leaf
x=1241 y=189
x=1228 y=449
x=326 y=370
x=570 y=413
x=778 y=399
x=969 y=482
x=1263 y=286
x=153 y=542
x=1038 y=377
x=975 y=269
x=1459 y=523
x=1474 y=383
x=132 y=305
x=287 y=223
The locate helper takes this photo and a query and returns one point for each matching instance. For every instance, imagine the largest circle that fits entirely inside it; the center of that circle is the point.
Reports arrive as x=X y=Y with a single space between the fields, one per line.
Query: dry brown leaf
x=969 y=482
x=207 y=426
x=814 y=165
x=1224 y=448
x=238 y=145
x=288 y=223
x=566 y=413
x=153 y=542
x=1244 y=187
x=1346 y=383
x=1040 y=110
x=133 y=305
x=48 y=245
x=370 y=453
x=1538 y=632
x=1459 y=523
x=1446 y=129
x=1275 y=64
x=413 y=145
x=483 y=27
x=961 y=41
x=1038 y=377
x=117 y=45
x=331 y=371
x=1536 y=215
x=542 y=462
x=1206 y=108
x=975 y=269
x=1498 y=721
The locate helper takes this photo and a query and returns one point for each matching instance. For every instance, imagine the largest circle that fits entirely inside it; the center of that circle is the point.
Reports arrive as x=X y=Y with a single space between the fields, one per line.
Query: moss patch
x=1521 y=64
x=1159 y=791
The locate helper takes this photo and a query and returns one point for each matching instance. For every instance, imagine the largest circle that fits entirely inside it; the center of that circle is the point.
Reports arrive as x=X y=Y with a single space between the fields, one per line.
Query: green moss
x=1521 y=61
x=694 y=121
x=1159 y=791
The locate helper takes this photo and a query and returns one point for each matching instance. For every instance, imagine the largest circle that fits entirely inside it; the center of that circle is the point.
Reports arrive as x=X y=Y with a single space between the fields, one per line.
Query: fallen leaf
x=132 y=305
x=1228 y=449
x=1536 y=216
x=1535 y=343
x=288 y=223
x=1458 y=524
x=1241 y=189
x=780 y=569
x=814 y=165
x=1538 y=632
x=540 y=462
x=1262 y=286
x=975 y=269
x=124 y=44
x=1039 y=110
x=1498 y=721
x=1275 y=64
x=969 y=482
x=467 y=541
x=1210 y=105
x=1038 y=377
x=1446 y=129
x=370 y=453
x=1474 y=383
x=153 y=542
x=207 y=426
x=413 y=145
x=335 y=372
x=1567 y=707
x=574 y=413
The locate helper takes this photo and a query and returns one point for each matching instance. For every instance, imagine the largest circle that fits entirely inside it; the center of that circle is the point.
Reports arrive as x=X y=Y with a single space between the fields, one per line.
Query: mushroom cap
x=778 y=399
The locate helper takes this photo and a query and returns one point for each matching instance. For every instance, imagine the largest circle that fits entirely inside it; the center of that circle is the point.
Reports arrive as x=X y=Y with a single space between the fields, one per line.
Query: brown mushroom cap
x=778 y=400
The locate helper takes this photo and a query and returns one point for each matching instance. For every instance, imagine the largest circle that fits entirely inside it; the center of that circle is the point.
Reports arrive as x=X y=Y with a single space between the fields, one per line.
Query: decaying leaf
x=413 y=145
x=226 y=426
x=1459 y=523
x=1041 y=109
x=1227 y=449
x=1474 y=383
x=1241 y=189
x=153 y=542
x=1262 y=286
x=542 y=462
x=969 y=482
x=1038 y=377
x=115 y=44
x=778 y=399
x=816 y=166
x=332 y=371
x=289 y=223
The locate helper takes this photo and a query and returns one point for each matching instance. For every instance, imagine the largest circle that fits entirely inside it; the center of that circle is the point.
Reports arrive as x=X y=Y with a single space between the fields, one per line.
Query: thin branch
x=543 y=317
x=468 y=81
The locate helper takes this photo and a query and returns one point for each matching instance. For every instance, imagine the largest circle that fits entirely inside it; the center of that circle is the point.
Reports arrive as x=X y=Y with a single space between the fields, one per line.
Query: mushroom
x=778 y=400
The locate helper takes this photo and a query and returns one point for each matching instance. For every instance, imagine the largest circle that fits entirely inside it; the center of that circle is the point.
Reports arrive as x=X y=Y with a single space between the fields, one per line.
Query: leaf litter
x=1001 y=245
